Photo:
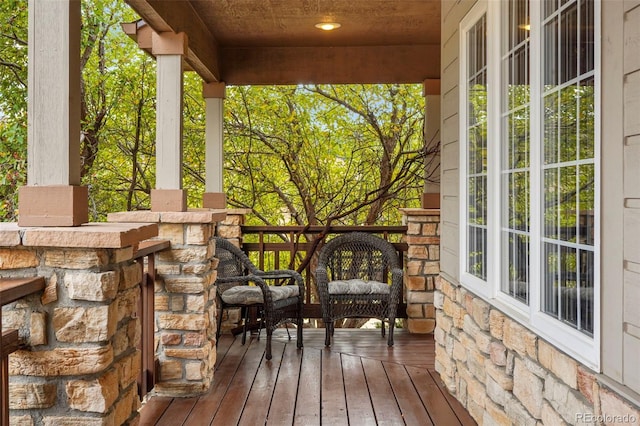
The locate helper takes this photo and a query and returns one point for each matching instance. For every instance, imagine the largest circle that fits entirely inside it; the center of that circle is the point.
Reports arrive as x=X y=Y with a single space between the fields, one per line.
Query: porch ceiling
x=275 y=41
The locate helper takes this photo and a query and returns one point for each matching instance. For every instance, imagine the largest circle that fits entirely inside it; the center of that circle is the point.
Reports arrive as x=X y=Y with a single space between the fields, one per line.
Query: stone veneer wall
x=422 y=267
x=185 y=298
x=505 y=374
x=79 y=362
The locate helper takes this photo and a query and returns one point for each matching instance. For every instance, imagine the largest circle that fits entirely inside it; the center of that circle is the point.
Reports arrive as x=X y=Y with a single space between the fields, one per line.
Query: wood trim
x=12 y=289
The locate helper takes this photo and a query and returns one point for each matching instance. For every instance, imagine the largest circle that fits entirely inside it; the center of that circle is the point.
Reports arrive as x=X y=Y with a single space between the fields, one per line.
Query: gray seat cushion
x=249 y=295
x=356 y=286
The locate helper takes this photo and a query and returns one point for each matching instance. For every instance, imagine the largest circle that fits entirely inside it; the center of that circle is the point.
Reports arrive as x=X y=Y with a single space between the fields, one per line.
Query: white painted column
x=53 y=196
x=169 y=49
x=431 y=196
x=214 y=196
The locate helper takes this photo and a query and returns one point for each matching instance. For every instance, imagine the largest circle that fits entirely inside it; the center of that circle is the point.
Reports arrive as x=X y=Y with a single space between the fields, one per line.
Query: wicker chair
x=359 y=276
x=278 y=303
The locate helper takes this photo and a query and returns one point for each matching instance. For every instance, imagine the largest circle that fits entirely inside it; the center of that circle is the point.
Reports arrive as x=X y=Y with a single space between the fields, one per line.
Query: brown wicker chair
x=359 y=276
x=278 y=303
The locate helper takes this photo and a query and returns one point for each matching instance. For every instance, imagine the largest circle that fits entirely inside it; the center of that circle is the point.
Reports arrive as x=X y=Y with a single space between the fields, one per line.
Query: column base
x=214 y=200
x=53 y=205
x=168 y=200
x=431 y=200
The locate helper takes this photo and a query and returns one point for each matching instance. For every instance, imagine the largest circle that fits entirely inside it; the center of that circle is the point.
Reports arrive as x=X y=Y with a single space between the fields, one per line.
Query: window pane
x=587 y=119
x=568 y=198
x=569 y=97
x=516 y=282
x=586 y=36
x=476 y=135
x=549 y=291
x=551 y=203
x=549 y=45
x=551 y=107
x=586 y=292
x=569 y=44
x=586 y=197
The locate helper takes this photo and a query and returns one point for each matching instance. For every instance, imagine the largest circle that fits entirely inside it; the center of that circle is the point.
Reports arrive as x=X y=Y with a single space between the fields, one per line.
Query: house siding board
x=632 y=295
x=631 y=365
x=452 y=14
x=631 y=101
x=632 y=42
x=621 y=156
x=631 y=4
x=631 y=170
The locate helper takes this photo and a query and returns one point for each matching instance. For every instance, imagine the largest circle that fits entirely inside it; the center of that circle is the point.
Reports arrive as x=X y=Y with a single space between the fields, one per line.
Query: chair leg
x=328 y=327
x=219 y=324
x=383 y=328
x=245 y=315
x=300 y=325
x=268 y=351
x=392 y=323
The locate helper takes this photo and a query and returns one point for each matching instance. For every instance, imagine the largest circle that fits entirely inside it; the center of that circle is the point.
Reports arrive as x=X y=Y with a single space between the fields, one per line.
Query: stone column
x=431 y=196
x=185 y=298
x=214 y=196
x=53 y=195
x=169 y=49
x=422 y=267
x=80 y=361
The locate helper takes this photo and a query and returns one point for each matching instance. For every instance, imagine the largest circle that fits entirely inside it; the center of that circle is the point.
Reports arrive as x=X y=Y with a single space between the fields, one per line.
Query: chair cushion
x=356 y=286
x=249 y=295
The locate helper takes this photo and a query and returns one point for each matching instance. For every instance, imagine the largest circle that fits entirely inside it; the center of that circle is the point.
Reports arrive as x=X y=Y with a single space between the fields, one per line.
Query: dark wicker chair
x=278 y=303
x=359 y=276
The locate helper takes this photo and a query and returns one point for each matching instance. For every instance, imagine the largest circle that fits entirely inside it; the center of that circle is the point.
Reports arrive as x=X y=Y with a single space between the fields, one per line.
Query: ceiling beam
x=330 y=65
x=179 y=16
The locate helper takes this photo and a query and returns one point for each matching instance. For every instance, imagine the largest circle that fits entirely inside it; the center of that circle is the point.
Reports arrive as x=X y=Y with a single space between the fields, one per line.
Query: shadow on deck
x=358 y=381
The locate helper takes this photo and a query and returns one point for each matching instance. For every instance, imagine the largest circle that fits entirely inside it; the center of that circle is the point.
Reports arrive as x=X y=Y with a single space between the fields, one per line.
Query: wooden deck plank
x=256 y=408
x=413 y=411
x=384 y=401
x=462 y=414
x=286 y=388
x=302 y=386
x=333 y=408
x=432 y=397
x=177 y=412
x=153 y=410
x=359 y=408
x=208 y=404
x=308 y=403
x=233 y=402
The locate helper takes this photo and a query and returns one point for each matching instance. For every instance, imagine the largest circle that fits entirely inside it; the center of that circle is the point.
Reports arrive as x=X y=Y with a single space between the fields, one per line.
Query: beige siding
x=452 y=14
x=631 y=291
x=620 y=191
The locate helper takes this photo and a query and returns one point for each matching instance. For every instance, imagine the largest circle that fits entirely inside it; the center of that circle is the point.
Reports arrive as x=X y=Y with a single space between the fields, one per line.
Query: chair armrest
x=286 y=273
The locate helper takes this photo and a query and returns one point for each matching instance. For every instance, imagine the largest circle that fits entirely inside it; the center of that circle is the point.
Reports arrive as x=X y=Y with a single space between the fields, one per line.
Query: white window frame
x=578 y=345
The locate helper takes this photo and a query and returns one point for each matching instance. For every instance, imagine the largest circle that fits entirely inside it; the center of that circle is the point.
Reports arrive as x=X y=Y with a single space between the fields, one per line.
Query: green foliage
x=295 y=155
x=313 y=154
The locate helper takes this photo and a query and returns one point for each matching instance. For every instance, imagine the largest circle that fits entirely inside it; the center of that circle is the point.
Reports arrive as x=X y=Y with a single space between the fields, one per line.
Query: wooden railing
x=286 y=247
x=146 y=310
x=11 y=289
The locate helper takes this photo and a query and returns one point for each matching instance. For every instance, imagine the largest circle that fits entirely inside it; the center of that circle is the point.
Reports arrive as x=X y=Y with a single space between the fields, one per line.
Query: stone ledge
x=90 y=235
x=190 y=216
x=9 y=234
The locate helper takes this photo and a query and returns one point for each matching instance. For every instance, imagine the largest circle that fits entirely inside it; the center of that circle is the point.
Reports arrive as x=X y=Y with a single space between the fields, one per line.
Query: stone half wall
x=185 y=298
x=505 y=374
x=422 y=267
x=79 y=360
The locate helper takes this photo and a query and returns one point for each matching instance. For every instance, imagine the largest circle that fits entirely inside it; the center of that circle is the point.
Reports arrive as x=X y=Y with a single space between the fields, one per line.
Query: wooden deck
x=358 y=381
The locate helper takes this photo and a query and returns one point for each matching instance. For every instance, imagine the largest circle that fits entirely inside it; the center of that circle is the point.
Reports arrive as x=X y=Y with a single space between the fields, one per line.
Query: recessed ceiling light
x=328 y=26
